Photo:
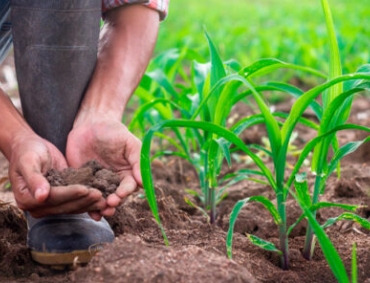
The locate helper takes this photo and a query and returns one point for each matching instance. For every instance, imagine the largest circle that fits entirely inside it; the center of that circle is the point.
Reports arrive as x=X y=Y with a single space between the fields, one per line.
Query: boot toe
x=67 y=239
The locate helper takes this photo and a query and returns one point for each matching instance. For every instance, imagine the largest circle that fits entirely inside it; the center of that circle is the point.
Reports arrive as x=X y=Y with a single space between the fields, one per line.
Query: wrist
x=13 y=125
x=90 y=114
x=17 y=139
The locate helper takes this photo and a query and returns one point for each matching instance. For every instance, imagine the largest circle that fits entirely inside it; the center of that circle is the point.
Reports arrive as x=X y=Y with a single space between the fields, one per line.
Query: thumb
x=37 y=184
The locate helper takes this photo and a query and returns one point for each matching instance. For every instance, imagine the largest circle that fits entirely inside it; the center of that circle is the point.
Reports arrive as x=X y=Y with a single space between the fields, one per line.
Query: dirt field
x=197 y=251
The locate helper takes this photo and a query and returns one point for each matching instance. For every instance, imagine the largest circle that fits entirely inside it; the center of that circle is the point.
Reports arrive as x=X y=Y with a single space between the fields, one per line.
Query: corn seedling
x=336 y=96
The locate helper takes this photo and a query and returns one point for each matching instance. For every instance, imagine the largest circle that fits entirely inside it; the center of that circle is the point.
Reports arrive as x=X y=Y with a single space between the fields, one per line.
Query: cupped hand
x=111 y=144
x=31 y=157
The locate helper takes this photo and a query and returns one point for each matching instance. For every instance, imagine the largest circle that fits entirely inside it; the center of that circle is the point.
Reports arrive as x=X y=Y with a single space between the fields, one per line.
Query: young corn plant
x=337 y=101
x=334 y=112
x=200 y=147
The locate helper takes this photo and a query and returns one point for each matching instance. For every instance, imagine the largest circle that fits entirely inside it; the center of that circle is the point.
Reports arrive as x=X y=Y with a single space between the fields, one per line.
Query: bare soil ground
x=197 y=251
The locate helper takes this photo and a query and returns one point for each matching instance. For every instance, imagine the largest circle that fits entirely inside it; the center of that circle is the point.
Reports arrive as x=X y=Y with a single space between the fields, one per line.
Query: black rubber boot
x=66 y=240
x=55 y=49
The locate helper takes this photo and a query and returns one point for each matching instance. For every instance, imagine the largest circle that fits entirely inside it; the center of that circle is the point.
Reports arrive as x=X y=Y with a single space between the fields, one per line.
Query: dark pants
x=55 y=52
x=5 y=29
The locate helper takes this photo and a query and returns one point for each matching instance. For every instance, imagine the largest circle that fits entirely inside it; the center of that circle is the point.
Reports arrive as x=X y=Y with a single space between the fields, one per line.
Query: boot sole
x=61 y=261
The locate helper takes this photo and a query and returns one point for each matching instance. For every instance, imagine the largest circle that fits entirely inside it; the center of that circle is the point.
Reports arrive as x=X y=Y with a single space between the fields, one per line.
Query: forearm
x=126 y=45
x=12 y=125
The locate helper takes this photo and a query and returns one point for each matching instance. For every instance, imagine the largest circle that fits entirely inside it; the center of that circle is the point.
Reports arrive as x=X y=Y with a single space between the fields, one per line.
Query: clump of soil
x=91 y=174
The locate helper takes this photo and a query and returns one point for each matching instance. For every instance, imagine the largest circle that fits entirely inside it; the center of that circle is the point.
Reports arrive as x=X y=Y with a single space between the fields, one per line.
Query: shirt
x=160 y=5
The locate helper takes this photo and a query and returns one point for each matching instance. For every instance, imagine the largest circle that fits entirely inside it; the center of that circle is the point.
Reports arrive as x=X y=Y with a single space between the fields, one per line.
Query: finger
x=133 y=157
x=81 y=205
x=109 y=211
x=137 y=174
x=35 y=181
x=127 y=186
x=62 y=194
x=23 y=198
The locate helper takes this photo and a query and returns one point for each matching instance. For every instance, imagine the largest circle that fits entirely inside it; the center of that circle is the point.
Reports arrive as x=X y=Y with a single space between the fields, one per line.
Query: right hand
x=31 y=157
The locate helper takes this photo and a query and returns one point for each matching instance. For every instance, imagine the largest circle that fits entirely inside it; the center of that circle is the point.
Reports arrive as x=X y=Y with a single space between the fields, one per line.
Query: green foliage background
x=290 y=30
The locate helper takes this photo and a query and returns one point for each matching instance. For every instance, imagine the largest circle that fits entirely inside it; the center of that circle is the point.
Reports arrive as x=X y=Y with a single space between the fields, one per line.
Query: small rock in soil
x=91 y=174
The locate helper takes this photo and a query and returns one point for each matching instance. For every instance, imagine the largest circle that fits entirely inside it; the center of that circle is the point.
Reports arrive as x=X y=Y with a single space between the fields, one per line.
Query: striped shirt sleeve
x=160 y=5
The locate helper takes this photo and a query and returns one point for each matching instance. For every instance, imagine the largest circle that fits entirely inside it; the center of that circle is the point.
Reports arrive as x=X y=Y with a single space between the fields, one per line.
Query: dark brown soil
x=197 y=251
x=91 y=174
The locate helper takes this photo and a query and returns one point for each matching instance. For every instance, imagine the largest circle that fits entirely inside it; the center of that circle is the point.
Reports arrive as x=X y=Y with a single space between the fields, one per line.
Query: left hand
x=110 y=143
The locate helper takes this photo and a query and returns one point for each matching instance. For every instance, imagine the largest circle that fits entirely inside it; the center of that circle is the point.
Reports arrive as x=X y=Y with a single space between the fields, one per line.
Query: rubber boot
x=55 y=50
x=5 y=29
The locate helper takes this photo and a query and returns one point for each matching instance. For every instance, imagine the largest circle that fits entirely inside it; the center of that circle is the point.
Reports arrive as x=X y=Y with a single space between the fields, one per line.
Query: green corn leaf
x=212 y=163
x=262 y=149
x=157 y=104
x=302 y=103
x=327 y=247
x=303 y=121
x=235 y=212
x=224 y=146
x=193 y=193
x=311 y=145
x=263 y=244
x=267 y=65
x=333 y=115
x=224 y=103
x=350 y=217
x=304 y=100
x=247 y=122
x=221 y=195
x=169 y=153
x=190 y=203
x=236 y=180
x=335 y=68
x=345 y=150
x=272 y=126
x=213 y=93
x=216 y=89
x=296 y=92
x=195 y=99
x=320 y=205
x=217 y=73
x=291 y=227
x=243 y=171
x=200 y=72
x=217 y=70
x=159 y=77
x=170 y=61
x=301 y=187
x=354 y=264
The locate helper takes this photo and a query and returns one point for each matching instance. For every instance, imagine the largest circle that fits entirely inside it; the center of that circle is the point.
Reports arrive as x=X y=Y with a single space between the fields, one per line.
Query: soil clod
x=91 y=174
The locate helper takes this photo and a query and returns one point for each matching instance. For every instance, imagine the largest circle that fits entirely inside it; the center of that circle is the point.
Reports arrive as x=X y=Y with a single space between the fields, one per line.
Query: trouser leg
x=55 y=49
x=5 y=29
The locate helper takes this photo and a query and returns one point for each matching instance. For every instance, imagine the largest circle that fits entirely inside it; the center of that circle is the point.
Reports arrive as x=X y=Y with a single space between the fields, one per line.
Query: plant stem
x=309 y=244
x=284 y=245
x=212 y=213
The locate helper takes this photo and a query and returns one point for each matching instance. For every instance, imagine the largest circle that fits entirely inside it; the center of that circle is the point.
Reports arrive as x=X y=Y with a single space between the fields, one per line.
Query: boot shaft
x=55 y=50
